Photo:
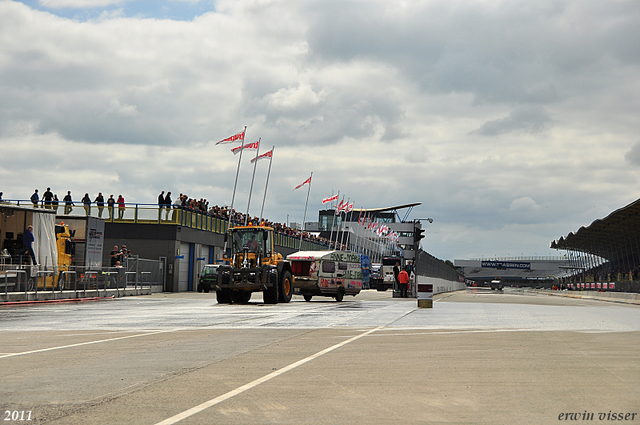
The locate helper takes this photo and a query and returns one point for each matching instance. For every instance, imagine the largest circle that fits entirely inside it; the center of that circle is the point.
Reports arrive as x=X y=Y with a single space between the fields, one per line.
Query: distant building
x=524 y=271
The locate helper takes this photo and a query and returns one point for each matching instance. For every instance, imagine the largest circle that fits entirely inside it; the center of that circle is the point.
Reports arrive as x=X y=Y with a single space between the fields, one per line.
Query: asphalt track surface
x=477 y=357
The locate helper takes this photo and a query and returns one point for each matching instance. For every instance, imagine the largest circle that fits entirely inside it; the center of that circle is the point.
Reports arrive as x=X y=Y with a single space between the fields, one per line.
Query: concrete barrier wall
x=441 y=285
x=619 y=297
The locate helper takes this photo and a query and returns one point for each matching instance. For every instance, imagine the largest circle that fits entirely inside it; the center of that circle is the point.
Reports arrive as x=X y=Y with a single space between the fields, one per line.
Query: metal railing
x=75 y=282
x=154 y=214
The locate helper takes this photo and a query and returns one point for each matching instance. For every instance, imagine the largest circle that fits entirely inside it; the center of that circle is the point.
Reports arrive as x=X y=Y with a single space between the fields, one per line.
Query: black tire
x=270 y=295
x=308 y=297
x=286 y=287
x=199 y=289
x=340 y=295
x=241 y=297
x=223 y=297
x=206 y=288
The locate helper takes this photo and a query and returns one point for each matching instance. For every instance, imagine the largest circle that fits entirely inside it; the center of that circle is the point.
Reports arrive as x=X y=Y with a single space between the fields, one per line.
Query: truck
x=326 y=273
x=496 y=284
x=252 y=265
x=53 y=248
x=386 y=279
x=87 y=234
x=208 y=277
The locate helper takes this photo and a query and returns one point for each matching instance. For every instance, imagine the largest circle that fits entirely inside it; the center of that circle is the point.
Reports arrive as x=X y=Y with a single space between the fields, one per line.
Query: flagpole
x=264 y=197
x=333 y=222
x=345 y=219
x=255 y=163
x=304 y=217
x=356 y=230
x=233 y=197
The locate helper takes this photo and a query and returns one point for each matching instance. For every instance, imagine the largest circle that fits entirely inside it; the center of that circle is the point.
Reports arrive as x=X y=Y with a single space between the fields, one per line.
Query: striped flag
x=265 y=155
x=303 y=183
x=239 y=136
x=329 y=199
x=253 y=145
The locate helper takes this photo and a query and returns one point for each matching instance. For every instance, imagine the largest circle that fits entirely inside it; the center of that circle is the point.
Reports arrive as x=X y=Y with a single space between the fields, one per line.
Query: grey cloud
x=633 y=155
x=517 y=52
x=530 y=121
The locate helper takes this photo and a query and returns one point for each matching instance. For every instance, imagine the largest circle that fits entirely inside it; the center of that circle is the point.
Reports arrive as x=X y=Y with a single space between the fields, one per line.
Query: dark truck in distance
x=208 y=277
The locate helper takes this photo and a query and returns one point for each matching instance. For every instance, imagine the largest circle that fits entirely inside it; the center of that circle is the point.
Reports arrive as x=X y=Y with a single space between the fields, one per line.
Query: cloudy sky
x=513 y=122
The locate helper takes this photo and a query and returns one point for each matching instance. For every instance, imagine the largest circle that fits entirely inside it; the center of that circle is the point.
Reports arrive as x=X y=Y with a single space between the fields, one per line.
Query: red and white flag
x=239 y=136
x=329 y=199
x=340 y=206
x=348 y=208
x=253 y=145
x=303 y=183
x=265 y=155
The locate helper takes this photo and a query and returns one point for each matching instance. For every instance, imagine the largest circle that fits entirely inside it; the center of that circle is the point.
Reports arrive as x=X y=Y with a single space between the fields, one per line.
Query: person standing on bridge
x=87 y=204
x=120 y=207
x=167 y=204
x=35 y=198
x=47 y=198
x=403 y=278
x=68 y=203
x=110 y=204
x=100 y=203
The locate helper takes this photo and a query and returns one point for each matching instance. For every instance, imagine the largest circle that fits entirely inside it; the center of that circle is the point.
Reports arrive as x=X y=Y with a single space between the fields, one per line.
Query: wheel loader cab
x=252 y=246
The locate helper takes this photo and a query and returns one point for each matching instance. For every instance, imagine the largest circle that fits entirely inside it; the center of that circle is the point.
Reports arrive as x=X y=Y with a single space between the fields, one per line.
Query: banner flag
x=265 y=155
x=303 y=183
x=253 y=145
x=329 y=199
x=239 y=136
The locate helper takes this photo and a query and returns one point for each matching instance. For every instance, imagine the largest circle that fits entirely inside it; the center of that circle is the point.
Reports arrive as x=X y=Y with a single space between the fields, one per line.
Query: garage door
x=183 y=264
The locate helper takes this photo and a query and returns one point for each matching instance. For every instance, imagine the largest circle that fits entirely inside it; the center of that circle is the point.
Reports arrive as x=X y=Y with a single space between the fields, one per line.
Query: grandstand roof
x=385 y=209
x=608 y=237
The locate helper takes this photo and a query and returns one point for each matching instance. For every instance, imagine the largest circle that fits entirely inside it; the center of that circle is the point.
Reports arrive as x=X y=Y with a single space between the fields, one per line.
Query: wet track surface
x=143 y=360
x=469 y=310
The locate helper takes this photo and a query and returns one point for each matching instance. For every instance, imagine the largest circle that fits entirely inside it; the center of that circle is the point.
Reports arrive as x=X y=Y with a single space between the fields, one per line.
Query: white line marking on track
x=197 y=409
x=42 y=350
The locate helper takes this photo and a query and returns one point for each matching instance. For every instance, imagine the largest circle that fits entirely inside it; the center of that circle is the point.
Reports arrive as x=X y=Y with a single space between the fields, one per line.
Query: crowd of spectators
x=183 y=201
x=202 y=206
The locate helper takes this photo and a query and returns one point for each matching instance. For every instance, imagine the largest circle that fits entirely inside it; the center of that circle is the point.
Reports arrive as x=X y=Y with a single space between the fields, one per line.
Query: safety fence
x=32 y=280
x=430 y=266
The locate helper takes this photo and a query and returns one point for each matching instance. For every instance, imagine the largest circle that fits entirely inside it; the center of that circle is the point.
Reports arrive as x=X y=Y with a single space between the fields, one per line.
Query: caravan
x=326 y=273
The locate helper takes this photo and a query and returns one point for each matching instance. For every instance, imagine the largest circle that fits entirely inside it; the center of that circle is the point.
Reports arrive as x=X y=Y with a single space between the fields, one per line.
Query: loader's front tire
x=223 y=296
x=270 y=295
x=286 y=287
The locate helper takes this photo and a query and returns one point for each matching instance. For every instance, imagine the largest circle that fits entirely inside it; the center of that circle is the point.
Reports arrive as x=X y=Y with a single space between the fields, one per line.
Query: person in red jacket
x=121 y=207
x=403 y=279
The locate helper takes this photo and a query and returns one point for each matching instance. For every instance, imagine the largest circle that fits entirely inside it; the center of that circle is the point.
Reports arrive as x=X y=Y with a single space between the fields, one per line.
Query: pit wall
x=617 y=297
x=441 y=285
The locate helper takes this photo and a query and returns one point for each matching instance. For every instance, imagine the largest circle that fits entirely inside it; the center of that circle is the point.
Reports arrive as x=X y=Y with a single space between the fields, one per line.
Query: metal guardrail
x=154 y=214
x=14 y=279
